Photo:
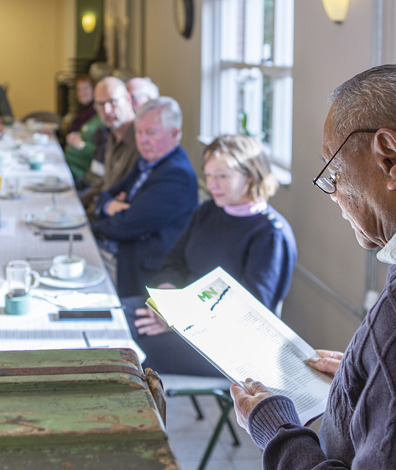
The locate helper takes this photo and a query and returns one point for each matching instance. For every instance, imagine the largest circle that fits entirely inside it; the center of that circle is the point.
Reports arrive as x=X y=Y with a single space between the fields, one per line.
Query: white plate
x=72 y=221
x=45 y=188
x=92 y=276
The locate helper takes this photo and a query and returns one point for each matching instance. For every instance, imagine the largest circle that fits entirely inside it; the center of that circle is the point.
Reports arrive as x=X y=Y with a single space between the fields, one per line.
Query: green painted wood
x=78 y=419
x=113 y=456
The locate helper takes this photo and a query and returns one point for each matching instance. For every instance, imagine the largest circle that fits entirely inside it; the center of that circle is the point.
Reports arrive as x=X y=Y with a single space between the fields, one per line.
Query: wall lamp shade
x=336 y=10
x=88 y=22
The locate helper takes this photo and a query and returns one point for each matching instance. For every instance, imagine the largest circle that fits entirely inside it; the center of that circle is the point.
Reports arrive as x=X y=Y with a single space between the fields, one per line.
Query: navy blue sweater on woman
x=259 y=251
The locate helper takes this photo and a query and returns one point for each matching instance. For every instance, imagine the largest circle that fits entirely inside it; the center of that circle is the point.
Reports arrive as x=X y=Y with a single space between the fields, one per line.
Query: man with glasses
x=359 y=425
x=114 y=107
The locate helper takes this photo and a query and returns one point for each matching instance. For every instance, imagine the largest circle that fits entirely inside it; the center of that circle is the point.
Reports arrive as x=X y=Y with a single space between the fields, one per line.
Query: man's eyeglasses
x=328 y=185
x=112 y=102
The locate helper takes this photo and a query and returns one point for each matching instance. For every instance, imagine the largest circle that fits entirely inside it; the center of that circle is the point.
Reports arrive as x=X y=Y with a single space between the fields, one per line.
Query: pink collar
x=245 y=210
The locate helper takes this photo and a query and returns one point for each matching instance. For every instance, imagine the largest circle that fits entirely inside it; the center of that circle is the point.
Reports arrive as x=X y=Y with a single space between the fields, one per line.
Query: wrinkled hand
x=74 y=140
x=150 y=323
x=328 y=361
x=116 y=206
x=246 y=400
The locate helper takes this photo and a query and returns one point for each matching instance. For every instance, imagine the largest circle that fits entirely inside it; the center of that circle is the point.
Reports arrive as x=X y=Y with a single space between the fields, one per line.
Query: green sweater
x=79 y=160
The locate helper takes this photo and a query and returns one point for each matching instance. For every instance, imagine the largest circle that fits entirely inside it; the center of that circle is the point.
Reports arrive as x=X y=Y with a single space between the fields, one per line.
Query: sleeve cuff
x=268 y=416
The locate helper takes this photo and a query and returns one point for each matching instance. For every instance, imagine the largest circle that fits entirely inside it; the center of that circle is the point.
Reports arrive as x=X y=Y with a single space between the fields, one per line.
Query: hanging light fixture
x=336 y=10
x=88 y=22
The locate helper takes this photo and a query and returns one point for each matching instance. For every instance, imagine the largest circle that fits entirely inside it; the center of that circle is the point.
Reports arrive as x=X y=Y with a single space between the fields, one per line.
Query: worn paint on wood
x=82 y=417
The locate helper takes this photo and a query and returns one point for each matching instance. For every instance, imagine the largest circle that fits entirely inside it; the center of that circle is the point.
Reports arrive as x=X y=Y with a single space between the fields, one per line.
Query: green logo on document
x=207 y=294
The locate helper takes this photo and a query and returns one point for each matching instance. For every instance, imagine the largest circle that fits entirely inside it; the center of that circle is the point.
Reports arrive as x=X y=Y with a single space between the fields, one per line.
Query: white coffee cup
x=55 y=214
x=64 y=267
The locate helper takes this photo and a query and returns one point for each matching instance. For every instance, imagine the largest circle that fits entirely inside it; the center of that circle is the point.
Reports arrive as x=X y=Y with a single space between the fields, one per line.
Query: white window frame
x=218 y=113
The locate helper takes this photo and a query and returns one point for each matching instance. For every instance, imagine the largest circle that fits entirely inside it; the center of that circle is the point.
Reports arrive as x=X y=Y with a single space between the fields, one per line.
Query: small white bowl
x=55 y=214
x=65 y=268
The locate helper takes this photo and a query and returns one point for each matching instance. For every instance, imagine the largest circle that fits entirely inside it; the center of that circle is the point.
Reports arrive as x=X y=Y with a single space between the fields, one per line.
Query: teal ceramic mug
x=17 y=304
x=20 y=280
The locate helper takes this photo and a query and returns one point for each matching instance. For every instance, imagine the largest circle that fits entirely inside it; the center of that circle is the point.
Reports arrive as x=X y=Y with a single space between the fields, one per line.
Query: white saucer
x=72 y=221
x=46 y=188
x=92 y=276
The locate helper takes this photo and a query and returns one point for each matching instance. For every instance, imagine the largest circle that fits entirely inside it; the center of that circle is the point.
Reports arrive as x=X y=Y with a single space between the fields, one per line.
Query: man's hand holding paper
x=246 y=399
x=327 y=362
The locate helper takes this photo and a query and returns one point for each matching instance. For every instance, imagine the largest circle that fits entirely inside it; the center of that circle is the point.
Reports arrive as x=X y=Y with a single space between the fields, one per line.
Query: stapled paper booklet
x=242 y=338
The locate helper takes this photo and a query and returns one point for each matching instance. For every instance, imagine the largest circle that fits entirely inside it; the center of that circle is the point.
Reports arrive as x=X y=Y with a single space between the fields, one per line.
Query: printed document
x=242 y=338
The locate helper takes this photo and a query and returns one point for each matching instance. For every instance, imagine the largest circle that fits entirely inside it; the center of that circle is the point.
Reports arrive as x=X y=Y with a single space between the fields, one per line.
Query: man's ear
x=385 y=154
x=175 y=132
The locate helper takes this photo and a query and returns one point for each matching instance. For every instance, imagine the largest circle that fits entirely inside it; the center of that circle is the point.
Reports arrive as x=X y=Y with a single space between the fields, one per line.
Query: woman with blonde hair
x=236 y=229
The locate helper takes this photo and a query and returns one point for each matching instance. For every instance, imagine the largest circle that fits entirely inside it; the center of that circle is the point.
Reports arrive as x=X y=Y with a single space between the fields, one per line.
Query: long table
x=91 y=406
x=22 y=237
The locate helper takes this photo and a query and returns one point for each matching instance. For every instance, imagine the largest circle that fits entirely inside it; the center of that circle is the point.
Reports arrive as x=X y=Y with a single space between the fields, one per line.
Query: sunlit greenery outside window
x=247 y=60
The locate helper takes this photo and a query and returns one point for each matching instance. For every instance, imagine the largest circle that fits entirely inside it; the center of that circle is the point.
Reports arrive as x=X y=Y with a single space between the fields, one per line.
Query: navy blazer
x=146 y=231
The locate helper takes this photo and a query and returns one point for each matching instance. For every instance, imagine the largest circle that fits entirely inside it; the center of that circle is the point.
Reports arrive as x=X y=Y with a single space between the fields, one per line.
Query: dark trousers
x=167 y=353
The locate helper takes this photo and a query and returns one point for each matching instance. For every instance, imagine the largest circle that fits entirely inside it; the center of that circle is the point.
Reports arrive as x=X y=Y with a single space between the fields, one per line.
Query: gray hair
x=146 y=87
x=171 y=115
x=367 y=100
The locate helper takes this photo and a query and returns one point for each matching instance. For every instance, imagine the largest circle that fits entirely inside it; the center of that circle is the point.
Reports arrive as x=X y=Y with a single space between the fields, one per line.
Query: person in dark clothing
x=238 y=230
x=358 y=428
x=140 y=218
x=85 y=98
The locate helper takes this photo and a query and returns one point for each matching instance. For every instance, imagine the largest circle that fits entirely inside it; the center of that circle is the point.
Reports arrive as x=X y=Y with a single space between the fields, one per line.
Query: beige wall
x=36 y=38
x=174 y=64
x=325 y=55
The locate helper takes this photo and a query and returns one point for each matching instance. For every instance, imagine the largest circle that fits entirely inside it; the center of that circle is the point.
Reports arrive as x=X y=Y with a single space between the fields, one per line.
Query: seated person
x=238 y=230
x=85 y=109
x=114 y=105
x=140 y=218
x=94 y=175
x=81 y=147
x=141 y=90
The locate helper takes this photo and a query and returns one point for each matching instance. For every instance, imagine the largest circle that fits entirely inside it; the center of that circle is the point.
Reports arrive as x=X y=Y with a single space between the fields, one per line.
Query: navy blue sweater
x=259 y=251
x=358 y=429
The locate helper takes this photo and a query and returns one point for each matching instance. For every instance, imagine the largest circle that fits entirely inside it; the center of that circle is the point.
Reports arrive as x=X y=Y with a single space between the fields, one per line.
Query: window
x=247 y=59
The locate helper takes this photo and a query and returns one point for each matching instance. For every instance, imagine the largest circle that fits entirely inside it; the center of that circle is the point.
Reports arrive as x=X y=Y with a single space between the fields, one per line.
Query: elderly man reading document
x=358 y=429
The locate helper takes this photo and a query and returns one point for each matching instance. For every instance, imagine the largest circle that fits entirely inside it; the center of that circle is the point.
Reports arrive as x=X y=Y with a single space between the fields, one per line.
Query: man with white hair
x=141 y=89
x=140 y=218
